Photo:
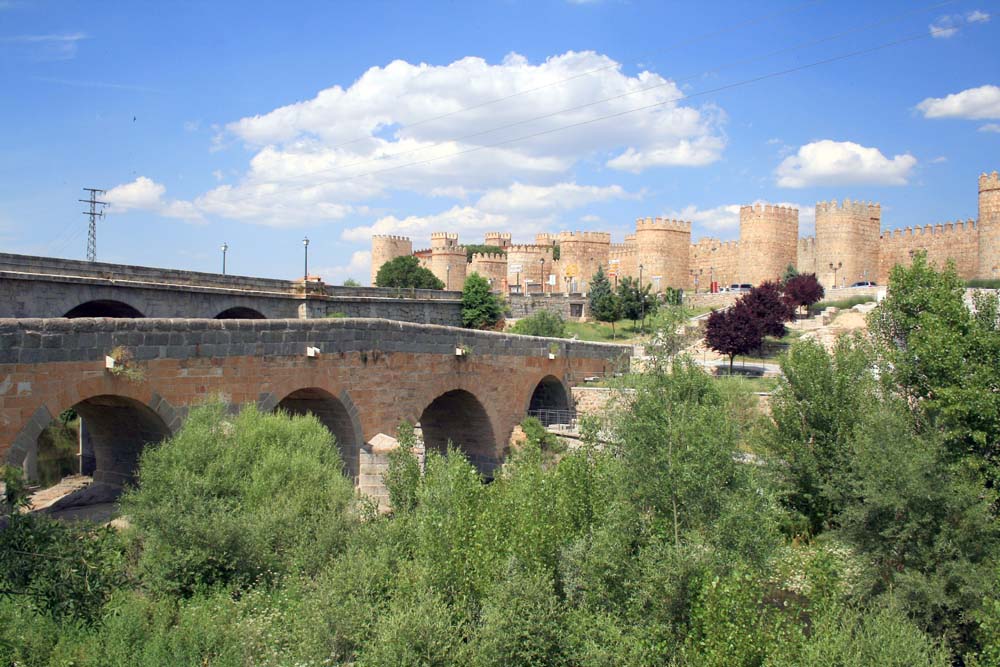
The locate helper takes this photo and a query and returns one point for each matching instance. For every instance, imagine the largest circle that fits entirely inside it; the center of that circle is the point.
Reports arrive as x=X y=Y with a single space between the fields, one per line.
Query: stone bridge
x=360 y=377
x=50 y=287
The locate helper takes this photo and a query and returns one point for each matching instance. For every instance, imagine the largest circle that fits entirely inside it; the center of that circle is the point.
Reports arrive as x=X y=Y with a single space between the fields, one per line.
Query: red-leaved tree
x=803 y=290
x=733 y=331
x=769 y=308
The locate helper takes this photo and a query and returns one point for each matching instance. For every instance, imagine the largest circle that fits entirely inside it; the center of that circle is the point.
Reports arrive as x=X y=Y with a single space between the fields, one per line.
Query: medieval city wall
x=492 y=266
x=958 y=243
x=580 y=255
x=847 y=242
x=769 y=238
x=712 y=259
x=663 y=252
x=989 y=226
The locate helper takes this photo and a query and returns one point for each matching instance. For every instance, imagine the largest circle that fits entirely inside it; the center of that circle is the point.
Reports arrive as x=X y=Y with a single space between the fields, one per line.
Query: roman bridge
x=359 y=377
x=51 y=287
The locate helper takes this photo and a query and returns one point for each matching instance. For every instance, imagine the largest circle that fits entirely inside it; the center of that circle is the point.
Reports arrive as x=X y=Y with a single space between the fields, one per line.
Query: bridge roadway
x=472 y=387
x=51 y=287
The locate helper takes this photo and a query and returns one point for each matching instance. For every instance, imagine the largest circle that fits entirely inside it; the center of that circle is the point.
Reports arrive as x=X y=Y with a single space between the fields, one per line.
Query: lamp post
x=541 y=273
x=642 y=302
x=711 y=279
x=305 y=248
x=835 y=269
x=225 y=247
x=615 y=263
x=447 y=276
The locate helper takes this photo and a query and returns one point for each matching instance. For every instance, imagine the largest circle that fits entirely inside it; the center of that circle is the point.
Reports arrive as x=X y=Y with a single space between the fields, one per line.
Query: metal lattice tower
x=94 y=214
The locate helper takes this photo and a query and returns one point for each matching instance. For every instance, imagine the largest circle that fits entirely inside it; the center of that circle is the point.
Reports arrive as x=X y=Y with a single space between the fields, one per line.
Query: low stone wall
x=572 y=307
x=726 y=299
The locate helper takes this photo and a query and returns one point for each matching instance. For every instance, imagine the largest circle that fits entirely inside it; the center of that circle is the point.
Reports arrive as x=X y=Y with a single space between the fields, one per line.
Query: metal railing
x=564 y=418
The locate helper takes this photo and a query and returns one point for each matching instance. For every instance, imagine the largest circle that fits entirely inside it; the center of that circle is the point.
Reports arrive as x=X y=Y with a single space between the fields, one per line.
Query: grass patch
x=754 y=384
x=601 y=332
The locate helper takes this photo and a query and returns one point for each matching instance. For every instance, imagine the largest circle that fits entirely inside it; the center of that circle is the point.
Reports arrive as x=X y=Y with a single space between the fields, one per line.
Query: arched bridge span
x=359 y=377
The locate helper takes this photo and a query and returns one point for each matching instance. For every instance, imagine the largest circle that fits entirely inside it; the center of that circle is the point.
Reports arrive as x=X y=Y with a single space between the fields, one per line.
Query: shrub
x=541 y=323
x=235 y=499
x=406 y=272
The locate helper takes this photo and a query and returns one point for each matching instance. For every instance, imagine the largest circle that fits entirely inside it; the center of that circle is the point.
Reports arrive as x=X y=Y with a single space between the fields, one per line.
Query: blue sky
x=256 y=124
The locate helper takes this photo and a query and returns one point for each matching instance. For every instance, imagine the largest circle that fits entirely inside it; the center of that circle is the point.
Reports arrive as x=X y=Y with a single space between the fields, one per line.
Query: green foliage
x=636 y=301
x=541 y=323
x=478 y=248
x=416 y=631
x=790 y=272
x=402 y=477
x=50 y=568
x=815 y=410
x=604 y=303
x=673 y=296
x=841 y=304
x=538 y=436
x=481 y=308
x=405 y=271
x=678 y=446
x=983 y=283
x=234 y=499
x=351 y=282
x=922 y=522
x=555 y=252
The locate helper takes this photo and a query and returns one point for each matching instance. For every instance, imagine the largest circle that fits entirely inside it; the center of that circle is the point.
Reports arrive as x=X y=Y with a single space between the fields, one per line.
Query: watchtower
x=387 y=248
x=448 y=261
x=664 y=252
x=769 y=237
x=847 y=242
x=989 y=226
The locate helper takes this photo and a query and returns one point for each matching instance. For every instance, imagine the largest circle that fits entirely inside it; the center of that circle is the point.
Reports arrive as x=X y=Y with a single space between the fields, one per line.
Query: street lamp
x=447 y=276
x=642 y=301
x=305 y=270
x=711 y=279
x=225 y=247
x=835 y=269
x=541 y=273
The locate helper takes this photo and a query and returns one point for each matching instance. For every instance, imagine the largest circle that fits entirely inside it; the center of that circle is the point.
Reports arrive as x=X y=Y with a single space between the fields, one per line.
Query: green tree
x=481 y=308
x=636 y=301
x=790 y=272
x=942 y=356
x=351 y=282
x=604 y=303
x=815 y=410
x=234 y=500
x=405 y=271
x=541 y=323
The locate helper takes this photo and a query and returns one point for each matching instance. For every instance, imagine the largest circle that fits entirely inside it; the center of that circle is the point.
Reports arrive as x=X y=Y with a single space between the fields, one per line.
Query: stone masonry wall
x=989 y=226
x=714 y=259
x=768 y=241
x=958 y=242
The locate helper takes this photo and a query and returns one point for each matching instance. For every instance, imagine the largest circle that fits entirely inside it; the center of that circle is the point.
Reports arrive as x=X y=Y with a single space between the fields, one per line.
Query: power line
x=724 y=66
x=94 y=214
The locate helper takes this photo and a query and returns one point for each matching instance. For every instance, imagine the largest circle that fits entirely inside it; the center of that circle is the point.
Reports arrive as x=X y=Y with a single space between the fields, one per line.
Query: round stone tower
x=664 y=252
x=448 y=261
x=847 y=242
x=544 y=238
x=493 y=267
x=989 y=226
x=525 y=266
x=769 y=237
x=580 y=255
x=498 y=239
x=387 y=248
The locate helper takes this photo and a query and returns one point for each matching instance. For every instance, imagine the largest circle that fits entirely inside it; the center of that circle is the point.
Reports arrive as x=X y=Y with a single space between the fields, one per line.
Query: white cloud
x=591 y=219
x=940 y=159
x=520 y=197
x=948 y=26
x=520 y=208
x=990 y=127
x=830 y=162
x=373 y=138
x=725 y=220
x=358 y=268
x=142 y=193
x=145 y=194
x=972 y=103
x=461 y=219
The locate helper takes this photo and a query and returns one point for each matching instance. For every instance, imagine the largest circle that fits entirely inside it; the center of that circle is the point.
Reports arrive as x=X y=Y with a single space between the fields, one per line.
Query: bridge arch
x=104 y=308
x=460 y=417
x=550 y=400
x=336 y=414
x=240 y=313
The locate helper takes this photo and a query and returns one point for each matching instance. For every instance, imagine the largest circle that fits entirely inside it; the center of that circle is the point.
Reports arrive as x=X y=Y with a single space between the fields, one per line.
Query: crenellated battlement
x=584 y=237
x=967 y=227
x=391 y=237
x=544 y=238
x=774 y=211
x=498 y=235
x=662 y=224
x=861 y=208
x=530 y=248
x=989 y=182
x=489 y=257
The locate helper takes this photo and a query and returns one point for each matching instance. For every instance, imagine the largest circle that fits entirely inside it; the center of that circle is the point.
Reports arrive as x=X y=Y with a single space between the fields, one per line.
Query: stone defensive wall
x=386 y=248
x=50 y=287
x=527 y=257
x=570 y=306
x=806 y=259
x=847 y=242
x=359 y=377
x=957 y=242
x=768 y=241
x=492 y=266
x=580 y=255
x=664 y=252
x=714 y=258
